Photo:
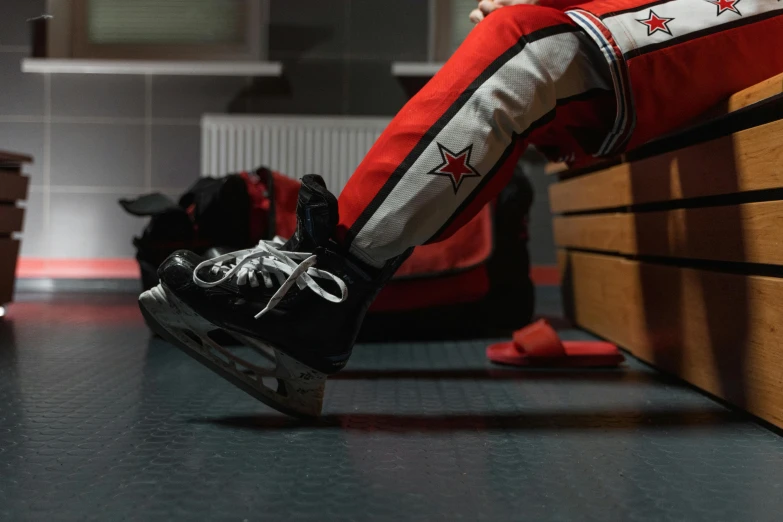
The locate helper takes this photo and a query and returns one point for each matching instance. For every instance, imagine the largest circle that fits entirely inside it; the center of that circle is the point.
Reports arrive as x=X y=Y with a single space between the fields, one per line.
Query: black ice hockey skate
x=300 y=304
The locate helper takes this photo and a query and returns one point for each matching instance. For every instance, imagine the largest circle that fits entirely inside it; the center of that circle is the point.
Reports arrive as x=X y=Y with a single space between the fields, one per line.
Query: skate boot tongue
x=317 y=215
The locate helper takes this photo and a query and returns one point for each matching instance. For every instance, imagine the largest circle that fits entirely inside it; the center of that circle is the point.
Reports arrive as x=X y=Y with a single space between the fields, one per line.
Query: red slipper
x=538 y=345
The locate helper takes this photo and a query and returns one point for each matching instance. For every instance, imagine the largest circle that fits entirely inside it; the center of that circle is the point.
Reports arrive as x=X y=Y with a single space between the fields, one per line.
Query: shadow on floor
x=624 y=420
x=502 y=374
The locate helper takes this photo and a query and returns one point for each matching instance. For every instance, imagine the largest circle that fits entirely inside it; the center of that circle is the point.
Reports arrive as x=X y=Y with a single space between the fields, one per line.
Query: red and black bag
x=215 y=215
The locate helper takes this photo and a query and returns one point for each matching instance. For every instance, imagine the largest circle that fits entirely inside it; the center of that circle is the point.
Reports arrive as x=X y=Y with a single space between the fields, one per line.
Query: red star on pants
x=655 y=23
x=456 y=166
x=726 y=5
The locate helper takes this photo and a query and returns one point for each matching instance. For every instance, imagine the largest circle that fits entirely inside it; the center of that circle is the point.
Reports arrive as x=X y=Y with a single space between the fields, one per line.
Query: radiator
x=292 y=145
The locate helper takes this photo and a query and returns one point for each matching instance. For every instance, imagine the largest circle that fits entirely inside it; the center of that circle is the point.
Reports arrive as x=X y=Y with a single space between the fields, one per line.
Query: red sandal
x=537 y=345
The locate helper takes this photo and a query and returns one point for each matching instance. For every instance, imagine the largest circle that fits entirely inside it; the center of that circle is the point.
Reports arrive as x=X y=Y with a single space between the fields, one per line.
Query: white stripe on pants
x=524 y=90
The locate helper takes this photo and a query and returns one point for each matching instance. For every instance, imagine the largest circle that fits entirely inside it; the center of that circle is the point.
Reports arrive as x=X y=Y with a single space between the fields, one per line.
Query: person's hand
x=487 y=6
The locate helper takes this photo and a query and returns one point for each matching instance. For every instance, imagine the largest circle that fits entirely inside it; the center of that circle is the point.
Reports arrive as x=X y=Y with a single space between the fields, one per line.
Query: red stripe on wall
x=34 y=268
x=127 y=268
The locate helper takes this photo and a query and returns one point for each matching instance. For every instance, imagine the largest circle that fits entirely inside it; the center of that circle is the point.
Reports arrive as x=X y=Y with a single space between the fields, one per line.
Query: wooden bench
x=675 y=251
x=13 y=188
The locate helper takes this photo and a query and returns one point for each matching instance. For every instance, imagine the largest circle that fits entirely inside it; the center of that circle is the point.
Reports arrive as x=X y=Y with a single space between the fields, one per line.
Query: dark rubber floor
x=98 y=422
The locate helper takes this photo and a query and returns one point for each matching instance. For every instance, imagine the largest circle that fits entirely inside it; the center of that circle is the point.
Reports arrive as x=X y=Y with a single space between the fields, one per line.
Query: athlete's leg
x=449 y=151
x=453 y=146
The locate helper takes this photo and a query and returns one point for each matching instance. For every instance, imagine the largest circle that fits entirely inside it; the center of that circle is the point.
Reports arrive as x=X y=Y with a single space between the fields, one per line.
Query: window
x=449 y=25
x=161 y=29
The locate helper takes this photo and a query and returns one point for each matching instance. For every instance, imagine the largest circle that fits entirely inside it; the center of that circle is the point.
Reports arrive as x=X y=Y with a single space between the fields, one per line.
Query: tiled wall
x=337 y=56
x=98 y=138
x=95 y=139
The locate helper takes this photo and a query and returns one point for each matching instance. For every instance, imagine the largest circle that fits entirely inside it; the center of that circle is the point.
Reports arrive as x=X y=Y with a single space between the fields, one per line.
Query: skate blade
x=300 y=389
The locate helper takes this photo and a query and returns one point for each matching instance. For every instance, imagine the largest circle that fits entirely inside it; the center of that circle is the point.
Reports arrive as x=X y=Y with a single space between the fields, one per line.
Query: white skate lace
x=288 y=268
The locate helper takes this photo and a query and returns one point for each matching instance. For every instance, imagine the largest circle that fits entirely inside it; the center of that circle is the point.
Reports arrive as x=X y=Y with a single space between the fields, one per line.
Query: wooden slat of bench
x=555 y=168
x=745 y=161
x=9 y=251
x=749 y=233
x=13 y=187
x=11 y=219
x=610 y=188
x=760 y=92
x=720 y=332
x=604 y=232
x=11 y=158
